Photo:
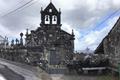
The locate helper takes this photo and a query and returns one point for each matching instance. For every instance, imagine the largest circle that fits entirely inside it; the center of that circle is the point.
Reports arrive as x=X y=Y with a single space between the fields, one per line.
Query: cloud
x=86 y=13
x=80 y=15
x=94 y=37
x=3 y=31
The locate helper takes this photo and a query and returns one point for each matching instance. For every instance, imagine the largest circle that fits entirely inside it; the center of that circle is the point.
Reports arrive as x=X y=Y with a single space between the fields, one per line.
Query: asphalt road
x=18 y=71
x=9 y=74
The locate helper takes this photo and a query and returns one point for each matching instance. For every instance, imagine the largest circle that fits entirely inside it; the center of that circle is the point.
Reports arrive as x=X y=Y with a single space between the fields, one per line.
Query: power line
x=17 y=8
x=2 y=11
x=29 y=5
x=21 y=1
x=102 y=22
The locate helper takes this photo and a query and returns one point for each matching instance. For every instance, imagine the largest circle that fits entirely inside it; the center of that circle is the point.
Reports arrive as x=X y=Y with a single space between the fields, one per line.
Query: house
x=110 y=46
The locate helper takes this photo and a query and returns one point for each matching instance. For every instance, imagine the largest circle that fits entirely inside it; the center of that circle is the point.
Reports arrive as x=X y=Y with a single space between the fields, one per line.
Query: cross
x=50 y=0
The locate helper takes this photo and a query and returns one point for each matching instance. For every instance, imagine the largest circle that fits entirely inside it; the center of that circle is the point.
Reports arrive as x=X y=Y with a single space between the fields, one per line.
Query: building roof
x=64 y=32
x=100 y=47
x=117 y=24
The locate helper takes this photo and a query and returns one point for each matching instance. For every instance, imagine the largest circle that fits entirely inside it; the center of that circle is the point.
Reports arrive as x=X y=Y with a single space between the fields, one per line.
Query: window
x=50 y=10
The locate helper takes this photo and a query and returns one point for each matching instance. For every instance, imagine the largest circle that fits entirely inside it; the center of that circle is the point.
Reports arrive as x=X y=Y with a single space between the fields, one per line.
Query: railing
x=94 y=68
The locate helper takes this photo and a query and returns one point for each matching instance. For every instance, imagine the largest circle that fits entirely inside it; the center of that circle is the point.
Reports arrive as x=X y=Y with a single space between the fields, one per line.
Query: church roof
x=100 y=48
x=51 y=6
x=64 y=32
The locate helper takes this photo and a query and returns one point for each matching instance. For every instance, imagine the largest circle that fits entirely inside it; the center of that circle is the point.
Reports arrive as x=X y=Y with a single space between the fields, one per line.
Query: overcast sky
x=90 y=19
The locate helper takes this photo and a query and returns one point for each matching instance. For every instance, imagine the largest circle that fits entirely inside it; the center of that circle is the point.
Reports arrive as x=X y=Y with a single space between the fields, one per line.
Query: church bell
x=46 y=18
x=54 y=18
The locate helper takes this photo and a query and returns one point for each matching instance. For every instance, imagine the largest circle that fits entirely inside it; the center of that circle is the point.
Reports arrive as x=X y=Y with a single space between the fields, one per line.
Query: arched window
x=54 y=19
x=47 y=19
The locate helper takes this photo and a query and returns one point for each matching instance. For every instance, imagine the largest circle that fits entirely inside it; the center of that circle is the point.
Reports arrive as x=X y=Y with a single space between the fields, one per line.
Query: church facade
x=49 y=41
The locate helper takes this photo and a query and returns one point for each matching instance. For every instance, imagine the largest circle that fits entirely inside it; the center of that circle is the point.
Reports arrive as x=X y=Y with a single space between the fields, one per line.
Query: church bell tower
x=50 y=16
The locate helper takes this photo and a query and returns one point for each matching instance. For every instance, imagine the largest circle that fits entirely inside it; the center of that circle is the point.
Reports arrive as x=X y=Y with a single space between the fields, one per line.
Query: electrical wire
x=3 y=11
x=17 y=8
x=111 y=15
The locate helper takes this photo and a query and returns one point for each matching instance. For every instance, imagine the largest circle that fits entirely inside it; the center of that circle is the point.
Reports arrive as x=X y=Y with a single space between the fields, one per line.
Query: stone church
x=49 y=40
